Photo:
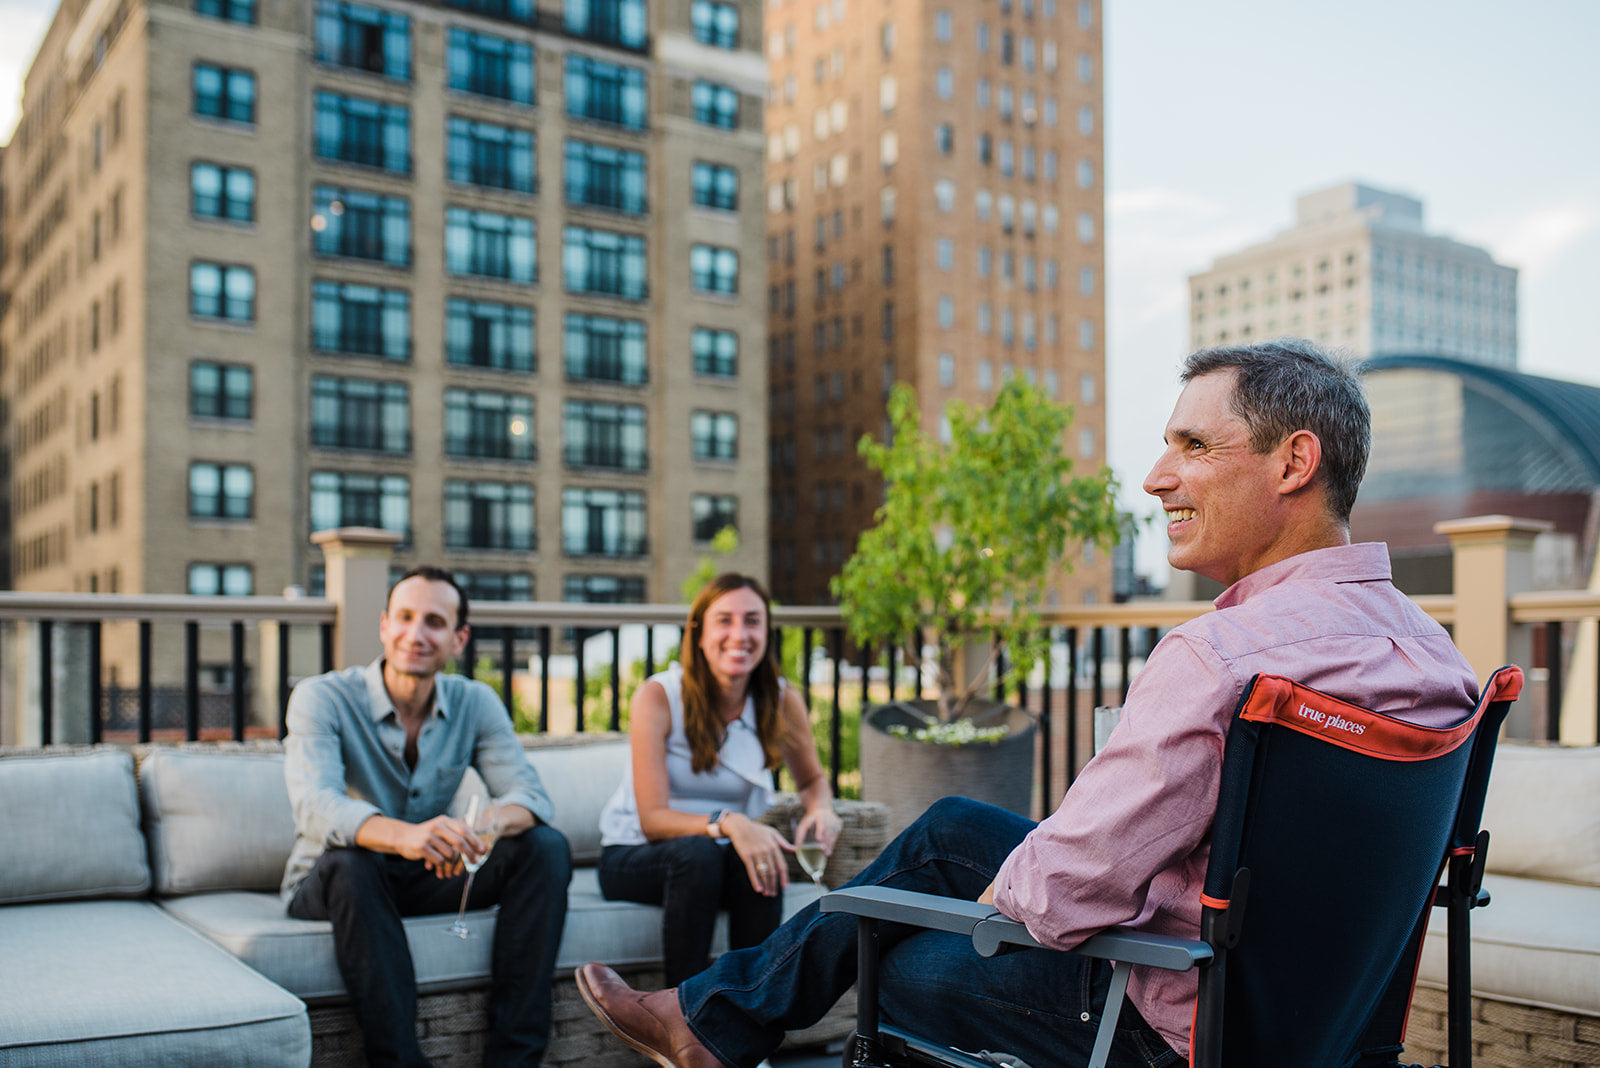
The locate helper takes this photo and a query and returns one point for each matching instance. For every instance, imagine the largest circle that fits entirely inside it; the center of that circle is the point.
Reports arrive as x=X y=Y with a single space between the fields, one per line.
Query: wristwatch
x=714 y=823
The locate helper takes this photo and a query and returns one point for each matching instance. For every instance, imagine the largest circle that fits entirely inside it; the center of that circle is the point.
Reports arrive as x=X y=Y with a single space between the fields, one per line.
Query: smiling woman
x=681 y=831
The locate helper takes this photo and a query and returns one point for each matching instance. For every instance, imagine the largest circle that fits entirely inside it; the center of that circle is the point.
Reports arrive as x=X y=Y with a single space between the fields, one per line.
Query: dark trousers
x=691 y=878
x=1042 y=1007
x=365 y=894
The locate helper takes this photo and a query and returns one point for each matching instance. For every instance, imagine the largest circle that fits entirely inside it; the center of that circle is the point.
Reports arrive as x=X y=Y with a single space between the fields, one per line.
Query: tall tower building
x=935 y=216
x=1357 y=271
x=486 y=273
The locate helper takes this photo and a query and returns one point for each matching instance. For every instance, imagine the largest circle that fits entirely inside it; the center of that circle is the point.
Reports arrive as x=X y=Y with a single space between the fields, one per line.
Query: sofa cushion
x=71 y=828
x=1543 y=813
x=298 y=954
x=580 y=779
x=1538 y=942
x=91 y=983
x=215 y=821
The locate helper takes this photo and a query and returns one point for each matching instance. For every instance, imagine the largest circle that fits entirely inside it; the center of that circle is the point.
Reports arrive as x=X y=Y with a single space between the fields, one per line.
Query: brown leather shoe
x=653 y=1024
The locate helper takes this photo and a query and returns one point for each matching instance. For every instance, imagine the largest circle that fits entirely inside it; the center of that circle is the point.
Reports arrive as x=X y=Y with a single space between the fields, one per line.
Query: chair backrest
x=1344 y=818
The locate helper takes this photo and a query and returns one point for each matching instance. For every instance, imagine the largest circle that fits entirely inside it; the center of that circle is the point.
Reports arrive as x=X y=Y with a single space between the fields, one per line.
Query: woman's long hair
x=702 y=696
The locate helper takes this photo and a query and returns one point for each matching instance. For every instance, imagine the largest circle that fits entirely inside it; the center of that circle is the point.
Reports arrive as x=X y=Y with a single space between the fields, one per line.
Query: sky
x=1219 y=114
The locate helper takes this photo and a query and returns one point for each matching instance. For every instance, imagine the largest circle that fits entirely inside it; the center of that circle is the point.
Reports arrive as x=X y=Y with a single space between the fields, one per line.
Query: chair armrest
x=990 y=931
x=907 y=906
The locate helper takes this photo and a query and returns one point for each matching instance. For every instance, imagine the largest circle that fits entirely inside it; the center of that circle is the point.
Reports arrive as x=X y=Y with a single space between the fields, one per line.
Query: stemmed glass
x=486 y=825
x=808 y=851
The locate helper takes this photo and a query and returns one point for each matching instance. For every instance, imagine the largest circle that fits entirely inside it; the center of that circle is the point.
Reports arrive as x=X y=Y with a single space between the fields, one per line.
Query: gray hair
x=1289 y=384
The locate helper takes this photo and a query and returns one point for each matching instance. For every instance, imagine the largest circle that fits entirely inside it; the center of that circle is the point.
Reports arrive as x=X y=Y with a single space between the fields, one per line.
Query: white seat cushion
x=298 y=954
x=71 y=828
x=1538 y=942
x=88 y=983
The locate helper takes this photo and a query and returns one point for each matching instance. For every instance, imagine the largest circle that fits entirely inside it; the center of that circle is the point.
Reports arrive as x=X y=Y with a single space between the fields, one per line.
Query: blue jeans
x=365 y=894
x=1043 y=1007
x=690 y=877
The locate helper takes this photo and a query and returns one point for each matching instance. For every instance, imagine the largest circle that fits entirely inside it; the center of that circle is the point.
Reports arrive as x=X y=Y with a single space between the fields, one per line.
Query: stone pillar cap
x=356 y=538
x=1488 y=526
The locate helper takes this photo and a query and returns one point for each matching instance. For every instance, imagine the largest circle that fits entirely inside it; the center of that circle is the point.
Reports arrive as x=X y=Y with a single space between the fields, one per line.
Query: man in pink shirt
x=1264 y=452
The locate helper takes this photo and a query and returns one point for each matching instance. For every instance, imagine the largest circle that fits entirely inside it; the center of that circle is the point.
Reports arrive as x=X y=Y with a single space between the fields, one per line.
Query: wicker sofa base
x=451 y=1027
x=1504 y=1034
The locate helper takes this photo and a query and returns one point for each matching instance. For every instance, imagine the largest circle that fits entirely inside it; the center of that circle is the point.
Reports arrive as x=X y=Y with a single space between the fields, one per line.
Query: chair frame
x=1461 y=865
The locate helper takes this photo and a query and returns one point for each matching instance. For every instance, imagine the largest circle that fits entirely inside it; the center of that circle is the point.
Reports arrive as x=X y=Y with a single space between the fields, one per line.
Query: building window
x=218 y=192
x=600 y=261
x=603 y=522
x=224 y=93
x=944 y=138
x=716 y=352
x=364 y=38
x=221 y=580
x=221 y=391
x=942 y=26
x=346 y=499
x=485 y=154
x=605 y=92
x=227 y=10
x=490 y=245
x=715 y=104
x=221 y=491
x=715 y=24
x=354 y=413
x=710 y=513
x=361 y=225
x=944 y=195
x=947 y=370
x=714 y=435
x=488 y=515
x=361 y=320
x=1086 y=174
x=1086 y=335
x=351 y=129
x=1086 y=281
x=486 y=425
x=218 y=291
x=945 y=253
x=596 y=434
x=513 y=10
x=599 y=176
x=713 y=269
x=714 y=186
x=487 y=65
x=1086 y=227
x=487 y=335
x=599 y=348
x=617 y=22
x=947 y=312
x=603 y=589
x=495 y=586
x=944 y=83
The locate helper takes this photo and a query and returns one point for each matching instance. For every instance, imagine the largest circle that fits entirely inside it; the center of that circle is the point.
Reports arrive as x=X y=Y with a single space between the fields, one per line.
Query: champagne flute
x=486 y=826
x=808 y=851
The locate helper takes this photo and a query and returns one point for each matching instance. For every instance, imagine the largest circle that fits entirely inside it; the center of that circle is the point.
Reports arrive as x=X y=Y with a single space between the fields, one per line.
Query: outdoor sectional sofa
x=140 y=921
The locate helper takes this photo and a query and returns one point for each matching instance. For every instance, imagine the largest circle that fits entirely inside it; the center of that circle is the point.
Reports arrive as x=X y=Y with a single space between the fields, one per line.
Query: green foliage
x=971 y=532
x=723 y=544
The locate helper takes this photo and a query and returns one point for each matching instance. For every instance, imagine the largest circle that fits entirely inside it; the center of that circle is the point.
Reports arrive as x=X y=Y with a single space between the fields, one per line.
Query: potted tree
x=968 y=537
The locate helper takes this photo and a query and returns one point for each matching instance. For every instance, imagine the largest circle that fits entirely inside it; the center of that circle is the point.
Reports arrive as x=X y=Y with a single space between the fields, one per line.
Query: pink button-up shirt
x=1128 y=846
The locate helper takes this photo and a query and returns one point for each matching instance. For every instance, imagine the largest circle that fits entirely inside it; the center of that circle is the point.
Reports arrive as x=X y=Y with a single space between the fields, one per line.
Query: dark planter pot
x=908 y=776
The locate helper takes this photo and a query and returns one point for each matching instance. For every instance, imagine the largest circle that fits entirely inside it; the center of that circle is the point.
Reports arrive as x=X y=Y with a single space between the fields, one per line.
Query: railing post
x=1493 y=560
x=357 y=561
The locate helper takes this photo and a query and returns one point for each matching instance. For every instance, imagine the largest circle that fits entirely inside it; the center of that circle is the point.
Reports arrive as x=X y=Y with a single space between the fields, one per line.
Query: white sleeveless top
x=740 y=781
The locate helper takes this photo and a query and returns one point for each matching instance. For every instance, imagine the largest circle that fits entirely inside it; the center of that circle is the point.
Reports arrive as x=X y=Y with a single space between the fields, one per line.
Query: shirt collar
x=380 y=705
x=1366 y=561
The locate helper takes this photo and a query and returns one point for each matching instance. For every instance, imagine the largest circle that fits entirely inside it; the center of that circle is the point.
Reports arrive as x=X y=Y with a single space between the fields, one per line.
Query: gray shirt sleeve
x=499 y=757
x=314 y=770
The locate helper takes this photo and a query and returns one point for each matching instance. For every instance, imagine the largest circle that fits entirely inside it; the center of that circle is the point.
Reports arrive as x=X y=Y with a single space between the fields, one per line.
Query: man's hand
x=439 y=843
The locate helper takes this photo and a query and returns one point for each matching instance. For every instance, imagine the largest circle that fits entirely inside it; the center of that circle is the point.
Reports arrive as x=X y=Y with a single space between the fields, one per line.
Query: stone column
x=1493 y=557
x=357 y=561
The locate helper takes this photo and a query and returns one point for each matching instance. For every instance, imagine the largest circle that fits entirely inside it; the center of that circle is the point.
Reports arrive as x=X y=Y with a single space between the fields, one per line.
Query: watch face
x=716 y=817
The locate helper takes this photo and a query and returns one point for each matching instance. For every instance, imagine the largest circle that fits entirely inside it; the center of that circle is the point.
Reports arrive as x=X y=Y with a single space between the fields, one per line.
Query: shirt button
x=416 y=793
x=1084 y=1017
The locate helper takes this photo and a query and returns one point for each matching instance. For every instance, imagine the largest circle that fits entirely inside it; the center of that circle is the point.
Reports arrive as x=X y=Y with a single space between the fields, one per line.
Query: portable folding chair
x=1333 y=827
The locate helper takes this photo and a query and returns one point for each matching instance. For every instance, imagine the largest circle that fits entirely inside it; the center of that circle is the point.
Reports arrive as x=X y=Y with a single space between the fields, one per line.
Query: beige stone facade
x=1358 y=272
x=935 y=215
x=135 y=388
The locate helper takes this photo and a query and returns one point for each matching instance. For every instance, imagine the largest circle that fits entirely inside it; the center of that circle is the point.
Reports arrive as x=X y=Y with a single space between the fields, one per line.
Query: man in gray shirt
x=374 y=756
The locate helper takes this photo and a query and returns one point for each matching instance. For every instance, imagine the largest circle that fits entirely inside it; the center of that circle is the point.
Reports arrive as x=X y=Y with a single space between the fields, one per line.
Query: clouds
x=24 y=23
